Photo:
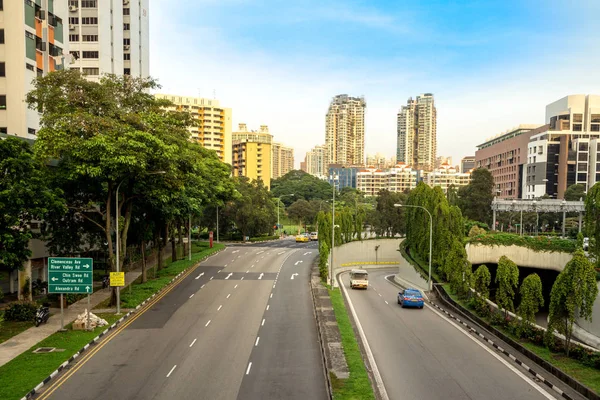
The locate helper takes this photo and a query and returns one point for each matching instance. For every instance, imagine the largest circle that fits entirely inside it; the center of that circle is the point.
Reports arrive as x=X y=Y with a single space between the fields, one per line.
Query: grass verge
x=26 y=371
x=357 y=386
x=141 y=291
x=9 y=329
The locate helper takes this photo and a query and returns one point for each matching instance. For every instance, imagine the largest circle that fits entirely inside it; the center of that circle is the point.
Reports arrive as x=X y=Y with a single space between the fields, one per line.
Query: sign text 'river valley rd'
x=70 y=275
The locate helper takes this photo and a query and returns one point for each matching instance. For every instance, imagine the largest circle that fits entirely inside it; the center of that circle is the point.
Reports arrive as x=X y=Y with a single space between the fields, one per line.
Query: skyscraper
x=417 y=128
x=282 y=160
x=316 y=161
x=345 y=130
x=109 y=37
x=33 y=42
x=252 y=154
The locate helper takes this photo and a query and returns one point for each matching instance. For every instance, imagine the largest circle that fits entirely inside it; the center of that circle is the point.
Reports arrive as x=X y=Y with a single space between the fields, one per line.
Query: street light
x=278 y=200
x=333 y=179
x=117 y=233
x=429 y=284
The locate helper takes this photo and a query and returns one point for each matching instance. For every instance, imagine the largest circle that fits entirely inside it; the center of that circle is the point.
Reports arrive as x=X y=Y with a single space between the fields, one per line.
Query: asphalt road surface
x=240 y=326
x=422 y=356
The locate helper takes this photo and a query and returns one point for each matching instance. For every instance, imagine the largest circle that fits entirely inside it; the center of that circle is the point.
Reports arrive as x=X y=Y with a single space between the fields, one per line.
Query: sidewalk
x=26 y=339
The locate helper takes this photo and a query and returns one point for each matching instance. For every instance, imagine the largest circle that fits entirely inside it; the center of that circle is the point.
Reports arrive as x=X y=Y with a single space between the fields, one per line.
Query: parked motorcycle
x=42 y=314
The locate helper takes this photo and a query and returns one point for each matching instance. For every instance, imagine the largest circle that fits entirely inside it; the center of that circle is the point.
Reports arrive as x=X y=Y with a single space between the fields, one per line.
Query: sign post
x=70 y=275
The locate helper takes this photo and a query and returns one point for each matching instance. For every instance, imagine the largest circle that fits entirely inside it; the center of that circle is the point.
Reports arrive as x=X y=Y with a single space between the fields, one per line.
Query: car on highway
x=314 y=236
x=302 y=238
x=410 y=298
x=359 y=278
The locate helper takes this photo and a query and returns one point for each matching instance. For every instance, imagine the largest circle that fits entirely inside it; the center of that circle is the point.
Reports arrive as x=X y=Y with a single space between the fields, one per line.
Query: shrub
x=261 y=238
x=497 y=318
x=475 y=230
x=539 y=243
x=20 y=311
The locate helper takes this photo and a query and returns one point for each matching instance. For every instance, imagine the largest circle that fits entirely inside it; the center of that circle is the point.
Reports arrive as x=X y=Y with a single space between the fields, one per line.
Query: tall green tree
x=507 y=278
x=572 y=296
x=592 y=220
x=575 y=192
x=532 y=299
x=25 y=196
x=476 y=198
x=253 y=211
x=481 y=283
x=302 y=185
x=458 y=269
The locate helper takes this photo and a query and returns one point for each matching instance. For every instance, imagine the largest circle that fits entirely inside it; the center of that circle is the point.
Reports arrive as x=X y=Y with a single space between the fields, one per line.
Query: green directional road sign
x=70 y=275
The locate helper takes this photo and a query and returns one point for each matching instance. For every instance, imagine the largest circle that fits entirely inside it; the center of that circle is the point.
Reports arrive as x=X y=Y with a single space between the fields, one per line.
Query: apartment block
x=109 y=37
x=252 y=153
x=345 y=130
x=379 y=160
x=371 y=181
x=213 y=128
x=504 y=155
x=32 y=43
x=446 y=176
x=316 y=161
x=282 y=160
x=417 y=133
x=568 y=151
x=467 y=163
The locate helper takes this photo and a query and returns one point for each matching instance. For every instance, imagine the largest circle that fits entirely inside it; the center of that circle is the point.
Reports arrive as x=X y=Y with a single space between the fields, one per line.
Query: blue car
x=410 y=298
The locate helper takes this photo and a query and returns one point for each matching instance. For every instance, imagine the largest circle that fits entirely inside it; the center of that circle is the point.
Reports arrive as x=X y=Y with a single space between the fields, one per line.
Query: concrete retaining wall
x=522 y=256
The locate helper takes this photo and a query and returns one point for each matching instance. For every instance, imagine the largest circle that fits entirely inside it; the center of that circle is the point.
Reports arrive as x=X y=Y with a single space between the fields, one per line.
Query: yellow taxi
x=302 y=238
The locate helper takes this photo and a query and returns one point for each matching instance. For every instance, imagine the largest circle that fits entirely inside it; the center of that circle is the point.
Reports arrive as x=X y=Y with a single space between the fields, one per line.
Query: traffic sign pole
x=62 y=314
x=88 y=313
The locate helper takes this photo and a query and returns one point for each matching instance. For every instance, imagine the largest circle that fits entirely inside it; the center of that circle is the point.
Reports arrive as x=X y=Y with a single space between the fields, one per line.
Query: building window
x=577 y=127
x=125 y=27
x=126 y=42
x=31 y=131
x=126 y=11
x=2 y=69
x=74 y=3
x=2 y=102
x=582 y=157
x=582 y=177
x=3 y=129
x=127 y=71
x=91 y=71
x=88 y=4
x=90 y=54
x=89 y=20
x=29 y=66
x=73 y=38
x=1 y=5
x=1 y=36
x=75 y=55
x=583 y=147
x=73 y=20
x=90 y=38
x=126 y=56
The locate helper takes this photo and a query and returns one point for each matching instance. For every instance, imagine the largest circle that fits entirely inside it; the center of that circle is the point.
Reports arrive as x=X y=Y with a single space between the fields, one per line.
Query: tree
x=481 y=283
x=389 y=219
x=253 y=211
x=302 y=211
x=25 y=196
x=452 y=195
x=458 y=269
x=532 y=299
x=572 y=296
x=507 y=278
x=302 y=185
x=575 y=192
x=592 y=220
x=476 y=198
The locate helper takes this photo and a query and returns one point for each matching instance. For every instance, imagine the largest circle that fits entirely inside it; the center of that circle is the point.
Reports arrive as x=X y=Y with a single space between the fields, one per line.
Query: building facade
x=400 y=178
x=109 y=37
x=467 y=163
x=442 y=160
x=446 y=176
x=252 y=154
x=342 y=176
x=33 y=42
x=567 y=152
x=214 y=123
x=345 y=130
x=504 y=156
x=282 y=160
x=316 y=161
x=417 y=133
x=380 y=161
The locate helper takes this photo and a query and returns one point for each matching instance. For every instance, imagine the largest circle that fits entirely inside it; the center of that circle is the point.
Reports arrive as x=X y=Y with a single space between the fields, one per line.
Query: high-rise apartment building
x=213 y=130
x=345 y=130
x=417 y=130
x=316 y=161
x=380 y=161
x=467 y=163
x=252 y=154
x=282 y=160
x=32 y=43
x=400 y=178
x=109 y=37
x=445 y=176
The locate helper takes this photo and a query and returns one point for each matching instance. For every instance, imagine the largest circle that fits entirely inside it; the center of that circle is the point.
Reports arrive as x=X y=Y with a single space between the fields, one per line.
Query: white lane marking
x=225 y=265
x=280 y=253
x=228 y=295
x=193 y=342
x=211 y=278
x=503 y=361
x=235 y=287
x=229 y=276
x=273 y=286
x=379 y=294
x=293 y=275
x=263 y=322
x=207 y=323
x=271 y=296
x=248 y=271
x=219 y=307
x=235 y=251
x=171 y=371
x=386 y=302
x=267 y=307
x=298 y=262
x=249 y=366
x=262 y=251
x=192 y=295
x=374 y=367
x=257 y=339
x=198 y=277
x=202 y=286
x=242 y=278
x=261 y=275
x=307 y=253
x=252 y=266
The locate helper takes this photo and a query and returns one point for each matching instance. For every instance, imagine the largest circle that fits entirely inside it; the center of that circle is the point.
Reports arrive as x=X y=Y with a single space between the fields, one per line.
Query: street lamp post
x=429 y=283
x=279 y=200
x=333 y=178
x=117 y=234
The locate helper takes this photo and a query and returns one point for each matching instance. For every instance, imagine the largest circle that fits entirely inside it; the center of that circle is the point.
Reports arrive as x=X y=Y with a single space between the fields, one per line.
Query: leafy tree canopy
x=475 y=199
x=575 y=192
x=302 y=185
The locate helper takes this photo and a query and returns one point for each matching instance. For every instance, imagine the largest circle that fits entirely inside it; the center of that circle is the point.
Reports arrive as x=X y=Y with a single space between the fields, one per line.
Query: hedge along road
x=421 y=355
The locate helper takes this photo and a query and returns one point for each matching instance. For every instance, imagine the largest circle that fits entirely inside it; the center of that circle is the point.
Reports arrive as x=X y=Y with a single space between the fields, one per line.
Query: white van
x=359 y=278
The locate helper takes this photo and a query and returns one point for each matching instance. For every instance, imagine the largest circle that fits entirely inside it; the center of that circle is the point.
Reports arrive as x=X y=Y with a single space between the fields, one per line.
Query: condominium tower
x=109 y=37
x=32 y=43
x=213 y=130
x=282 y=160
x=252 y=154
x=417 y=127
x=316 y=161
x=345 y=130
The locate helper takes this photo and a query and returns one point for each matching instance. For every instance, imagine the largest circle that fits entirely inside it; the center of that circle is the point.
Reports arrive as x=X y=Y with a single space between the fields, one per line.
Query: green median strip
x=357 y=386
x=20 y=375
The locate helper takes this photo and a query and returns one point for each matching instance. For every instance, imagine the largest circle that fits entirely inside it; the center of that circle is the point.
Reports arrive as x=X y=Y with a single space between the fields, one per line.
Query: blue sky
x=491 y=65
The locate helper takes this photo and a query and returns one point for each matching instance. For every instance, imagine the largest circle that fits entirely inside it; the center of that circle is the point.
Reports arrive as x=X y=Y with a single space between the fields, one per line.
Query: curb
x=62 y=366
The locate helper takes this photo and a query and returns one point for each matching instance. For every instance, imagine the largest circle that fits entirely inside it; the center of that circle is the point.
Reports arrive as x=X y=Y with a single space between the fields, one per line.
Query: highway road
x=241 y=326
x=420 y=355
